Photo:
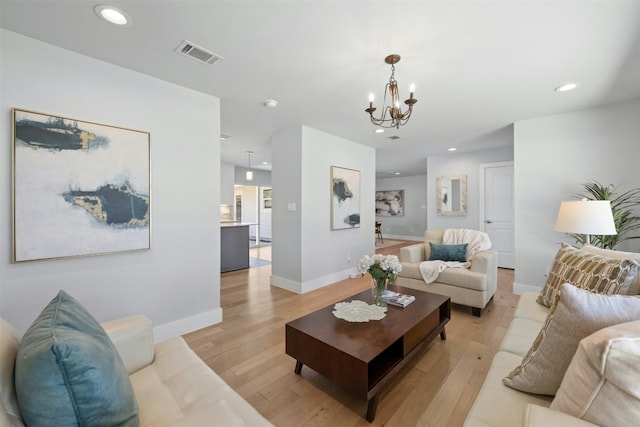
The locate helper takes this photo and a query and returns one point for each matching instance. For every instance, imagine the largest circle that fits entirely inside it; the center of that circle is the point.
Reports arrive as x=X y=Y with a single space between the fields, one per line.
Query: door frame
x=482 y=170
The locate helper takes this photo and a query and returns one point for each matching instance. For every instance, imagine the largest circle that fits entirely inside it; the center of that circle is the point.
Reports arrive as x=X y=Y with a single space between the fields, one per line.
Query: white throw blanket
x=476 y=241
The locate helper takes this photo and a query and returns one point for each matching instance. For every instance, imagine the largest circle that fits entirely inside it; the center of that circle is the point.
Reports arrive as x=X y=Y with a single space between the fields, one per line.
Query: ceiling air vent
x=198 y=53
x=394 y=137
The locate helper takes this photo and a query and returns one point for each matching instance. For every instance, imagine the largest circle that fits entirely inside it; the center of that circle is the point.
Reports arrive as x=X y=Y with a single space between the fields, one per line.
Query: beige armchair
x=473 y=287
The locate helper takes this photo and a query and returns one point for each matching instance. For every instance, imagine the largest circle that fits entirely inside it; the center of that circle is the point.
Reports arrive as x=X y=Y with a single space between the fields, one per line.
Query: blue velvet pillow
x=68 y=372
x=448 y=252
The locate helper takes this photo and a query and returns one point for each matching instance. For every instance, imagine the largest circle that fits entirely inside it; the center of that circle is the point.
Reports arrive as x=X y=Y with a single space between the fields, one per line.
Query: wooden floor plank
x=246 y=349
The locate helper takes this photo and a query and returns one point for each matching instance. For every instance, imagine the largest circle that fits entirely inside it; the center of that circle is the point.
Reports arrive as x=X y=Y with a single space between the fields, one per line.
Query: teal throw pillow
x=448 y=252
x=68 y=372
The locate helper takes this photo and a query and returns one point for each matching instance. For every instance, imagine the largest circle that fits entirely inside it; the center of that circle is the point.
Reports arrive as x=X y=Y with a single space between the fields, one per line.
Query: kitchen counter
x=234 y=245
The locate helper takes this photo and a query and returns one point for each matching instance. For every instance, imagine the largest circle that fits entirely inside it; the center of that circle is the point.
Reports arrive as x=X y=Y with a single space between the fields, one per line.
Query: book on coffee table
x=400 y=300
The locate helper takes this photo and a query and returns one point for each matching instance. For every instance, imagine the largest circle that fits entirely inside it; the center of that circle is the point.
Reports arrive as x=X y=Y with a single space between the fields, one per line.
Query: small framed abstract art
x=79 y=188
x=345 y=198
x=390 y=203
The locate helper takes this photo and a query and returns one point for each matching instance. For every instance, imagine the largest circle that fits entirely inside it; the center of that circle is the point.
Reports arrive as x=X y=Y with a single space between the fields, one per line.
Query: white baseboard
x=188 y=324
x=519 y=288
x=304 y=287
x=400 y=237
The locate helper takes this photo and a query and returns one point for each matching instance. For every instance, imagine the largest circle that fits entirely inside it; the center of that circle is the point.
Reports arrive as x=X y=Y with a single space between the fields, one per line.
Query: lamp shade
x=586 y=217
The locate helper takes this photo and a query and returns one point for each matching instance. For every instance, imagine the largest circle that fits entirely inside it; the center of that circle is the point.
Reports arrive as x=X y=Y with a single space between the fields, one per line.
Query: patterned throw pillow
x=588 y=271
x=577 y=314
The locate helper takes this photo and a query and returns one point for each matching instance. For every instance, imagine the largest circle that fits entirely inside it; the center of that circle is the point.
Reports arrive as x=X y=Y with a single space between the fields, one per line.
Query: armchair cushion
x=69 y=373
x=448 y=252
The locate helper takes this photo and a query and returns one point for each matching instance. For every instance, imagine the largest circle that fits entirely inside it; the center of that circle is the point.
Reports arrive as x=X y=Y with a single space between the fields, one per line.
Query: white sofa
x=497 y=405
x=172 y=385
x=473 y=287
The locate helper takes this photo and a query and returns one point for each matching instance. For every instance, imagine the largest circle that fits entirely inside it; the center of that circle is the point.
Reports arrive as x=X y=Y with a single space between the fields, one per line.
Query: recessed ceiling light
x=397 y=173
x=452 y=149
x=265 y=163
x=379 y=130
x=567 y=87
x=113 y=15
x=224 y=137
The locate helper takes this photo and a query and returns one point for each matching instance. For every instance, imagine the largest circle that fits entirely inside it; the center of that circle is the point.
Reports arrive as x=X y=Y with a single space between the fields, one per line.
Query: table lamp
x=586 y=217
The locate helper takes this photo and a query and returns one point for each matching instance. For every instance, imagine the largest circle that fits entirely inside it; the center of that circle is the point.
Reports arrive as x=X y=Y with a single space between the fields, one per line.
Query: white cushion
x=179 y=389
x=496 y=404
x=10 y=413
x=602 y=383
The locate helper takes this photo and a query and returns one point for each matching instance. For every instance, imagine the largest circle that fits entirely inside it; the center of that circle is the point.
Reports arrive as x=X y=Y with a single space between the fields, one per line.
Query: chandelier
x=392 y=115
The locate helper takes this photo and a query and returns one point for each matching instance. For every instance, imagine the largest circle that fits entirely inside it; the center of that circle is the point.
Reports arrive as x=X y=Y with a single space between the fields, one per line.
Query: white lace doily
x=358 y=311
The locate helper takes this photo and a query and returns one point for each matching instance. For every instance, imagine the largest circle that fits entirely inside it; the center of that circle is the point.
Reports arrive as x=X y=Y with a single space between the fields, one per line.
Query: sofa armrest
x=133 y=338
x=412 y=253
x=539 y=416
x=484 y=261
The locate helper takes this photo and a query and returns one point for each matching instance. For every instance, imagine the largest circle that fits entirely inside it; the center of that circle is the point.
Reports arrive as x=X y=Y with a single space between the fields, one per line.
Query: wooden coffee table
x=364 y=357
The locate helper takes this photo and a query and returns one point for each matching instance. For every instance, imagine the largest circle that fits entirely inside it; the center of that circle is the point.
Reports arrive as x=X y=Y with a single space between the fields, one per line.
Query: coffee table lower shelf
x=364 y=357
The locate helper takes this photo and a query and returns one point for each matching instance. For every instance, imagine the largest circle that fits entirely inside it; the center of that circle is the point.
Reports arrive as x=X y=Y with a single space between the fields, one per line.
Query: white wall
x=306 y=253
x=227 y=176
x=461 y=163
x=554 y=156
x=177 y=282
x=412 y=225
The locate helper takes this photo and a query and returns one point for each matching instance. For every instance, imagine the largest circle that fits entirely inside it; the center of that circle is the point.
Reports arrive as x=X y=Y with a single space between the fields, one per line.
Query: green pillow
x=68 y=372
x=448 y=252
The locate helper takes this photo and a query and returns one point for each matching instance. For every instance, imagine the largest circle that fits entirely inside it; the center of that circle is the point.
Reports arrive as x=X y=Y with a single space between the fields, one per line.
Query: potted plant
x=383 y=269
x=625 y=207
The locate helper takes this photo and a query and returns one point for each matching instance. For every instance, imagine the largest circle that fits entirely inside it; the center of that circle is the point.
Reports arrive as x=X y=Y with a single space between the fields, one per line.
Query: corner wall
x=554 y=156
x=306 y=253
x=177 y=282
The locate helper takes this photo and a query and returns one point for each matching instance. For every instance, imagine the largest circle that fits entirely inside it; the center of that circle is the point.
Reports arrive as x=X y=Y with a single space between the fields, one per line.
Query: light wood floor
x=247 y=350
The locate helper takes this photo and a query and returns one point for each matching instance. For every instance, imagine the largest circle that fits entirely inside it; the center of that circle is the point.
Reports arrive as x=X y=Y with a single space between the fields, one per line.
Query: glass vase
x=378 y=286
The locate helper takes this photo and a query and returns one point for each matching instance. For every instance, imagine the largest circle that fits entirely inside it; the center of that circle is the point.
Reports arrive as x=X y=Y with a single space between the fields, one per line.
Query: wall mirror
x=452 y=195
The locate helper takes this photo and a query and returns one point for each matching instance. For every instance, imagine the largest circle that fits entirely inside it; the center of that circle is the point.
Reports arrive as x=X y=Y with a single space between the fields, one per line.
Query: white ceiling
x=478 y=65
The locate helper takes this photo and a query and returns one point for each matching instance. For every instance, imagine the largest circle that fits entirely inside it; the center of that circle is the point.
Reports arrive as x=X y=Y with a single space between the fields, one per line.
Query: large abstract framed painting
x=452 y=195
x=390 y=203
x=345 y=198
x=79 y=188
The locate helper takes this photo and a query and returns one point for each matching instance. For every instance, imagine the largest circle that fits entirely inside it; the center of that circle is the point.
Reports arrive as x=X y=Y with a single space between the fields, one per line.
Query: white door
x=496 y=215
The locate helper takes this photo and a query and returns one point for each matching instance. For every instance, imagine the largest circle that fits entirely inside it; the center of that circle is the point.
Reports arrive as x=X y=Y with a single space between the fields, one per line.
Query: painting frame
x=79 y=188
x=390 y=203
x=345 y=198
x=451 y=193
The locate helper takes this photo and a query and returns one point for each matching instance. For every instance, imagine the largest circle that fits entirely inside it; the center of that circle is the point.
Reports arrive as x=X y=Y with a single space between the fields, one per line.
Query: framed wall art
x=390 y=203
x=452 y=195
x=345 y=198
x=79 y=188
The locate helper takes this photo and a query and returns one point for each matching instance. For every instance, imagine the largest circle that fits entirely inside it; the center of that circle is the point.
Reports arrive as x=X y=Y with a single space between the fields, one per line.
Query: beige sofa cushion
x=602 y=383
x=459 y=277
x=8 y=351
x=577 y=314
x=179 y=390
x=588 y=271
